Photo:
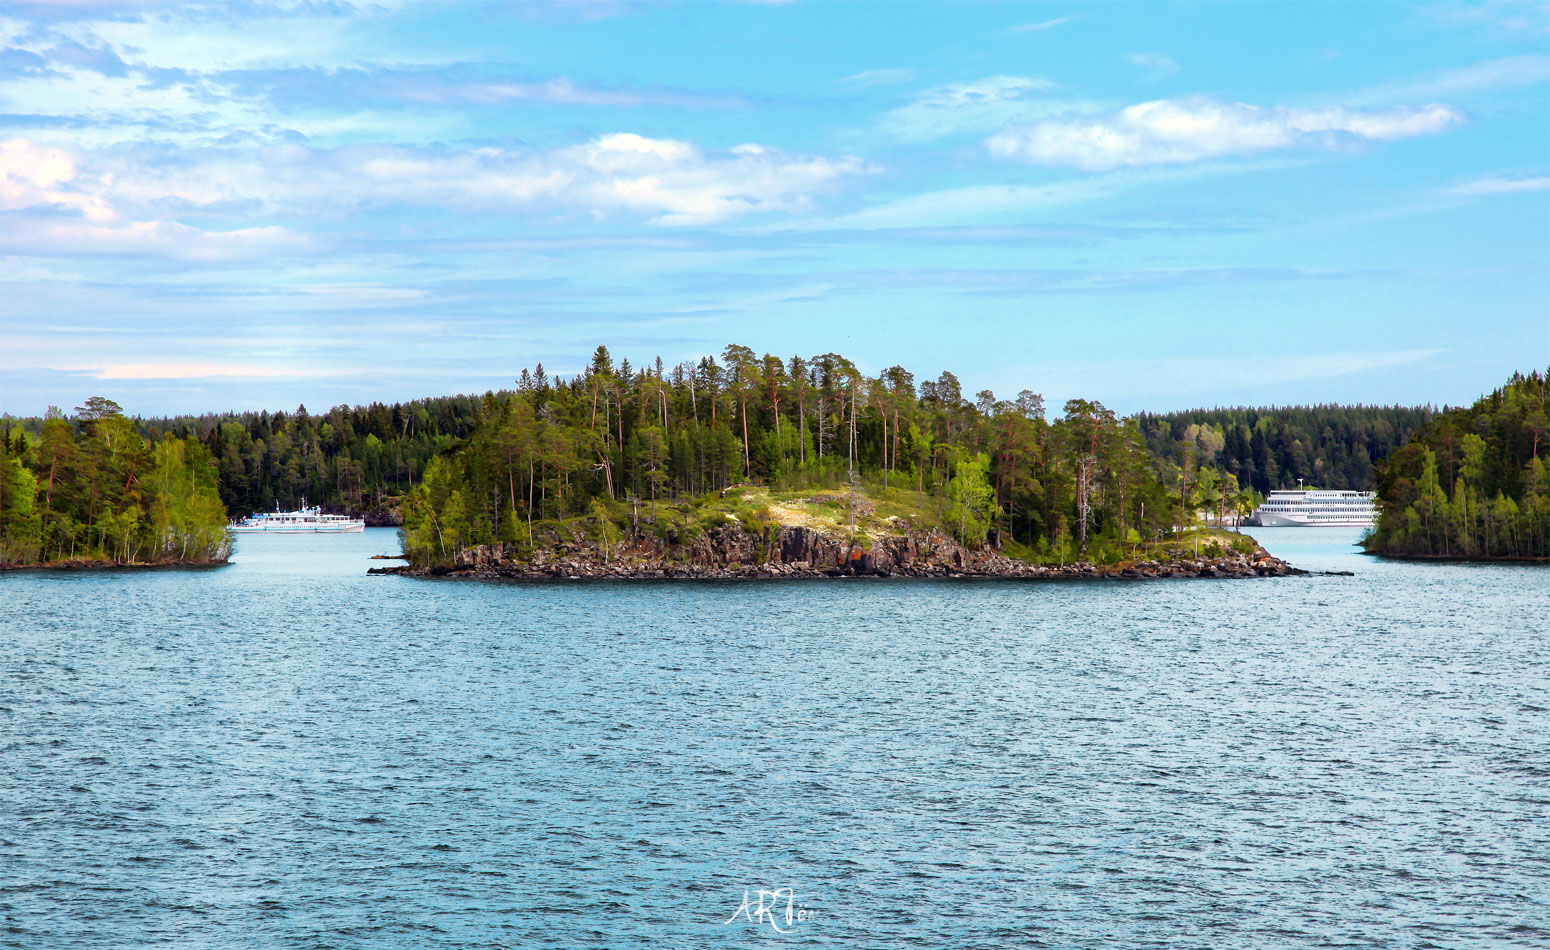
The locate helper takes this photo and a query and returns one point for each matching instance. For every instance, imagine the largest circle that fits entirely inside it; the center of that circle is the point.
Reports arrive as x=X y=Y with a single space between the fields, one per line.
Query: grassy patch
x=1210 y=542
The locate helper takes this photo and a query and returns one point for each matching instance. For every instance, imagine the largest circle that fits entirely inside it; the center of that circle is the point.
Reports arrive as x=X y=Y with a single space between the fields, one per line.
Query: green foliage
x=1471 y=483
x=755 y=519
x=603 y=522
x=95 y=490
x=187 y=519
x=471 y=469
x=1264 y=449
x=359 y=459
x=21 y=524
x=703 y=443
x=436 y=522
x=974 y=509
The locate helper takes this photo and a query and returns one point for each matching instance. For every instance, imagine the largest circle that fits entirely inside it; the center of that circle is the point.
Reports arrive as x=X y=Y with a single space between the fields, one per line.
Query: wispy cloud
x=1157 y=65
x=1125 y=379
x=450 y=84
x=980 y=205
x=1040 y=26
x=186 y=369
x=1180 y=131
x=1031 y=282
x=65 y=237
x=975 y=107
x=219 y=37
x=953 y=206
x=1502 y=185
x=1531 y=18
x=877 y=77
x=1506 y=72
x=107 y=103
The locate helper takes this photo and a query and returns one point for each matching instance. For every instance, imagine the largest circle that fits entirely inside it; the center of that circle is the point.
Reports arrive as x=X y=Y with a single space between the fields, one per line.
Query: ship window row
x=1285 y=504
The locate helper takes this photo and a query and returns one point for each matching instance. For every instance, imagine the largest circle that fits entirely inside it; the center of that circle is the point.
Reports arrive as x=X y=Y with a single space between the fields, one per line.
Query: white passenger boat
x=1314 y=508
x=302 y=521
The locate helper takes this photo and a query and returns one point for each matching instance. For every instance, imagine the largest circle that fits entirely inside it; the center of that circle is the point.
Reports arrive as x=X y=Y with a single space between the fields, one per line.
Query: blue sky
x=246 y=205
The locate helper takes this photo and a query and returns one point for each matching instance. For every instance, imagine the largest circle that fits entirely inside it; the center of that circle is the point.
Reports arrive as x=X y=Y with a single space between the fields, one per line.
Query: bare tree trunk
x=885 y=448
x=1084 y=507
x=802 y=428
x=742 y=399
x=896 y=436
x=851 y=442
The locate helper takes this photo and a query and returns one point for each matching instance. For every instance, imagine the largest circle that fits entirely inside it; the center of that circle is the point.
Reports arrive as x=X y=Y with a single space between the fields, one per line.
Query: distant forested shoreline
x=358 y=460
x=1329 y=446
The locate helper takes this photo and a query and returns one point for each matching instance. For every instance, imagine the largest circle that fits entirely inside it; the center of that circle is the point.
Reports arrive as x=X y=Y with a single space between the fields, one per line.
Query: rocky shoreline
x=1459 y=558
x=797 y=552
x=84 y=564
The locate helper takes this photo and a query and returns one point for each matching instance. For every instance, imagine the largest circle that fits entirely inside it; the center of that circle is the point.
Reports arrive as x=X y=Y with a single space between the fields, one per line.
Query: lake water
x=287 y=752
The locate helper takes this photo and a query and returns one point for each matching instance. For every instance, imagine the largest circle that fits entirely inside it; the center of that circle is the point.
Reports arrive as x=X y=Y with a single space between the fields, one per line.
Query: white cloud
x=187 y=38
x=188 y=369
x=670 y=182
x=1500 y=185
x=1042 y=25
x=132 y=203
x=39 y=181
x=72 y=237
x=1532 y=18
x=356 y=292
x=1157 y=65
x=29 y=173
x=40 y=176
x=954 y=207
x=563 y=91
x=969 y=107
x=1503 y=73
x=1144 y=379
x=1010 y=204
x=876 y=77
x=1180 y=131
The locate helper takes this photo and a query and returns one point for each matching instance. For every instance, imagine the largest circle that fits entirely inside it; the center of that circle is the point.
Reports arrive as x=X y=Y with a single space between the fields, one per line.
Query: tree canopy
x=1471 y=483
x=994 y=470
x=1268 y=448
x=93 y=488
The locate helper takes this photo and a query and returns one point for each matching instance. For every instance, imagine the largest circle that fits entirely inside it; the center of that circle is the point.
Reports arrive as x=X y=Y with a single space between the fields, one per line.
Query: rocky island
x=752 y=533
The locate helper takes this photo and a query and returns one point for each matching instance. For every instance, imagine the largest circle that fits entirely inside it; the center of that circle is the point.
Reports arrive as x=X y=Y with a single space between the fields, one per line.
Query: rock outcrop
x=794 y=551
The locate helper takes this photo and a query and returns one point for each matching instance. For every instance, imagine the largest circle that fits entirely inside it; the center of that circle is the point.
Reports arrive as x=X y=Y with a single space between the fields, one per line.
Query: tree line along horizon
x=487 y=467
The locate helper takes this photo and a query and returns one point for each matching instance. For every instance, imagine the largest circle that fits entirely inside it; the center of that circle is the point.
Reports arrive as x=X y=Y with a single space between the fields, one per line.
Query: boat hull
x=1269 y=519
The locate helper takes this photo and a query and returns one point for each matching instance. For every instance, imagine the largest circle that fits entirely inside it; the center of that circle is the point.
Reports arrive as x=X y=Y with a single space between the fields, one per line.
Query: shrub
x=754 y=520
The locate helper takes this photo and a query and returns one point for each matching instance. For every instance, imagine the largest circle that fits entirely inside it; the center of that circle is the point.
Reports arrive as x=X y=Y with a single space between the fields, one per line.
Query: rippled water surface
x=287 y=752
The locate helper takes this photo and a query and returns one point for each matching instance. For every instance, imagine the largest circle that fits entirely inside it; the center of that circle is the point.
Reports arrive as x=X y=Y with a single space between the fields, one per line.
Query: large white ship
x=302 y=521
x=1317 y=508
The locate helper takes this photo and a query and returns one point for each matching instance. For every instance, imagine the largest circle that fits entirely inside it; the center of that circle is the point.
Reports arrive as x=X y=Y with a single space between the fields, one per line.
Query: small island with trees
x=754 y=466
